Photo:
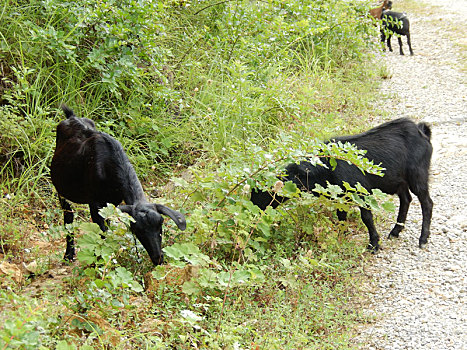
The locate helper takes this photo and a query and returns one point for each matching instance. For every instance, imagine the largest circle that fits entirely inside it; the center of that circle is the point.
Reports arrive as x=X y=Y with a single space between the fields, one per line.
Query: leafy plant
x=109 y=286
x=225 y=218
x=24 y=325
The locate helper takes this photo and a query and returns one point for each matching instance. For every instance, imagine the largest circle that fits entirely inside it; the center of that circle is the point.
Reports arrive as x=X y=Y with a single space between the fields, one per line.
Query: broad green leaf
x=173 y=252
x=264 y=228
x=372 y=203
x=63 y=345
x=159 y=272
x=289 y=188
x=207 y=278
x=198 y=259
x=197 y=196
x=361 y=189
x=347 y=186
x=388 y=206
x=286 y=262
x=108 y=211
x=91 y=228
x=357 y=199
x=190 y=316
x=86 y=256
x=223 y=278
x=334 y=191
x=240 y=276
x=190 y=288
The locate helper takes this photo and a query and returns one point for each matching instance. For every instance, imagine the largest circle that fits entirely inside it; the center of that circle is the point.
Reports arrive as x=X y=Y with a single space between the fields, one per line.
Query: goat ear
x=126 y=208
x=177 y=217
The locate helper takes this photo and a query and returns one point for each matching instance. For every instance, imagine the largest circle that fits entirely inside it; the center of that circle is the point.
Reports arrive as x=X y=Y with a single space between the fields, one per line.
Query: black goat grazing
x=91 y=167
x=402 y=147
x=395 y=22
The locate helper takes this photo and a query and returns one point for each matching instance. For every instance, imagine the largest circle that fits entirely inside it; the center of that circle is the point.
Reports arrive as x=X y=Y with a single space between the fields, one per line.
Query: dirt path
x=419 y=297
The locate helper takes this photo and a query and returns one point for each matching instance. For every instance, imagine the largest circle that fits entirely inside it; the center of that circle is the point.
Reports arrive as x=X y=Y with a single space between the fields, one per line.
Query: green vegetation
x=209 y=99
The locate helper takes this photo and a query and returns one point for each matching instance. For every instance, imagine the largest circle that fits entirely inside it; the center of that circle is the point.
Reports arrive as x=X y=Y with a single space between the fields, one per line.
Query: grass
x=304 y=301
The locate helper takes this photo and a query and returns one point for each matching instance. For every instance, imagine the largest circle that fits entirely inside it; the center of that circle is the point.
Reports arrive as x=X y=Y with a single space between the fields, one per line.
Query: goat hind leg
x=404 y=203
x=68 y=219
x=389 y=43
x=399 y=39
x=427 y=210
x=409 y=44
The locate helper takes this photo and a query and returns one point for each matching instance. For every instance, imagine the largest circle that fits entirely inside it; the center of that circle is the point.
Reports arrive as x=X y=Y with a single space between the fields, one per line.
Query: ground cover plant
x=209 y=100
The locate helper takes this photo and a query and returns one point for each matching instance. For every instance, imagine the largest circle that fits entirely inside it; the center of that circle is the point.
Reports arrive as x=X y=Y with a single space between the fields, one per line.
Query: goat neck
x=133 y=191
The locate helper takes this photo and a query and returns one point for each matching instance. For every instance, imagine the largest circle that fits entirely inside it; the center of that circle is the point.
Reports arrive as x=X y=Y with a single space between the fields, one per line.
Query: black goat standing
x=395 y=22
x=402 y=147
x=91 y=167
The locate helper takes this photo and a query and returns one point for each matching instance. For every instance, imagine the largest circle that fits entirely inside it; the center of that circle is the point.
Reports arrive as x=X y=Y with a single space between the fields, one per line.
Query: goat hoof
x=68 y=258
x=422 y=245
x=373 y=248
x=66 y=262
x=393 y=235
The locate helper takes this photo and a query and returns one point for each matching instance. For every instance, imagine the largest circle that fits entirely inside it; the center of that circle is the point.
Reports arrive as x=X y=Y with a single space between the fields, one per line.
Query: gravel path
x=418 y=298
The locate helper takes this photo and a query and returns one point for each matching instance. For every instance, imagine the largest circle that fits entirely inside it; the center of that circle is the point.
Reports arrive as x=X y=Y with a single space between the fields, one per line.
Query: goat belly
x=71 y=190
x=72 y=181
x=83 y=192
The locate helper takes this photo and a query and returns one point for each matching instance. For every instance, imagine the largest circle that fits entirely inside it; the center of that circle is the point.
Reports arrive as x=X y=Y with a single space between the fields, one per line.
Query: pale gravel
x=418 y=298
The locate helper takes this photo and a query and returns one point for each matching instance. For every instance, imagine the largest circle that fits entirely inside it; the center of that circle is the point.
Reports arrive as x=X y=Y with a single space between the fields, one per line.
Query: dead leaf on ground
x=154 y=326
x=12 y=270
x=31 y=267
x=174 y=276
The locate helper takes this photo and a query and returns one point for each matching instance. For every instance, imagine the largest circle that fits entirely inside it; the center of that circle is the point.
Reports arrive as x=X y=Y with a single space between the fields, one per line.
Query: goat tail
x=68 y=111
x=425 y=129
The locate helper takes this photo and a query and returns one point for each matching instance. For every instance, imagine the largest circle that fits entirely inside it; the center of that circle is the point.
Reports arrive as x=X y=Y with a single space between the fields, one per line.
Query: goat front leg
x=404 y=202
x=389 y=43
x=367 y=218
x=341 y=215
x=383 y=40
x=68 y=219
x=96 y=218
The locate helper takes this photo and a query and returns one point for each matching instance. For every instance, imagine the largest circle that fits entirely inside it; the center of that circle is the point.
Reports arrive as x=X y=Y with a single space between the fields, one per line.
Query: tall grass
x=191 y=76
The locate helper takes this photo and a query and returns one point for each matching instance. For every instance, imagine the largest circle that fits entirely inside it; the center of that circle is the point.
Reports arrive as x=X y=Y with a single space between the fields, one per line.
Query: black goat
x=395 y=22
x=91 y=167
x=402 y=147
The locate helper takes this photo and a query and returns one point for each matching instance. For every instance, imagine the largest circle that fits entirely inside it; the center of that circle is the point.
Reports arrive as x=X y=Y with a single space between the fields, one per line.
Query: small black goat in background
x=91 y=167
x=402 y=147
x=390 y=20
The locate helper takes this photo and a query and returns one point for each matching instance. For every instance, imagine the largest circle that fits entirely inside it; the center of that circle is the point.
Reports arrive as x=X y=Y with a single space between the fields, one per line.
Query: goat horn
x=176 y=216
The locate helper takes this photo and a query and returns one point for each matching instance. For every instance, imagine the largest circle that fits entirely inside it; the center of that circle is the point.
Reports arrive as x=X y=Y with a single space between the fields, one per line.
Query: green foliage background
x=210 y=98
x=173 y=79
